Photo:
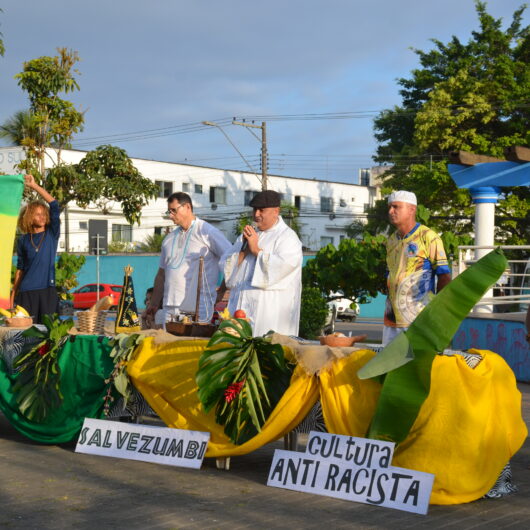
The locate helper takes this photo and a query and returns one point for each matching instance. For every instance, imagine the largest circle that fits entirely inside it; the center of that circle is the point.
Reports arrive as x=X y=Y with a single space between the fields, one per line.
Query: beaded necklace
x=186 y=245
x=37 y=247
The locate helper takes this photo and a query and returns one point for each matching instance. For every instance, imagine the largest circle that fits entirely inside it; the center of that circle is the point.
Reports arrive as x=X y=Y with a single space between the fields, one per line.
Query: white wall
x=348 y=200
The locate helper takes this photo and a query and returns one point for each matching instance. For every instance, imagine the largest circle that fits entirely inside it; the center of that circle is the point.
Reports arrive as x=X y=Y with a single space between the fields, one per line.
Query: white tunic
x=268 y=287
x=179 y=258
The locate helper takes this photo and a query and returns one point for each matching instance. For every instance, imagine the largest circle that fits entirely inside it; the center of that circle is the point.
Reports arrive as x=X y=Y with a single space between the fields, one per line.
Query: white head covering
x=403 y=196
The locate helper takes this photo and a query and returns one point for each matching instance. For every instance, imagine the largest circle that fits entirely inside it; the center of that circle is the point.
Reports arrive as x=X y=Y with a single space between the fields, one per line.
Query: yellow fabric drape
x=165 y=375
x=467 y=429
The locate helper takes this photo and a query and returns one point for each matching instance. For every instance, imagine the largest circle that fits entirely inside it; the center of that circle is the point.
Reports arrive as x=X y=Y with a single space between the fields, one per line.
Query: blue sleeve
x=20 y=252
x=55 y=221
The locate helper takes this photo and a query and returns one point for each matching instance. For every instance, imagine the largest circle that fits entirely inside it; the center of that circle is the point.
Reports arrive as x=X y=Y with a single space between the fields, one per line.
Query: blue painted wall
x=505 y=337
x=111 y=271
x=145 y=269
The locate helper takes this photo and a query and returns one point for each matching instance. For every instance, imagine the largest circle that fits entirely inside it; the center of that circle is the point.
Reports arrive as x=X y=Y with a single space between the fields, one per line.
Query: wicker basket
x=86 y=322
x=19 y=322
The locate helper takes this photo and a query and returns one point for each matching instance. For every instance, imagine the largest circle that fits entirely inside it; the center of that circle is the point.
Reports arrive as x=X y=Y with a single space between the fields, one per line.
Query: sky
x=152 y=72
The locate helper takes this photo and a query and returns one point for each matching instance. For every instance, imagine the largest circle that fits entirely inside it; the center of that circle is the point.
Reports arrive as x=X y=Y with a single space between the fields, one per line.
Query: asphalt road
x=373 y=327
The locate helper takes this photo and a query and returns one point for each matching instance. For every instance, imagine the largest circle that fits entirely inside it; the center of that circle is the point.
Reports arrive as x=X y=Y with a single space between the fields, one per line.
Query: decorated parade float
x=452 y=416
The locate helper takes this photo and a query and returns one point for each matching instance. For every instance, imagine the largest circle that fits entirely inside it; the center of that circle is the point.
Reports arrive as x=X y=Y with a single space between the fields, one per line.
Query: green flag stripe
x=11 y=187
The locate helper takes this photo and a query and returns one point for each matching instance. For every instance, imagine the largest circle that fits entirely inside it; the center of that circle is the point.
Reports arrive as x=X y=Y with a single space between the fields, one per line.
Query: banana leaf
x=407 y=362
x=253 y=365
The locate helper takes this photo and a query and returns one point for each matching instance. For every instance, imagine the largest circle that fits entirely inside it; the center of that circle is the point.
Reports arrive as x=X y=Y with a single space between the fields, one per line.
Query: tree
x=356 y=268
x=108 y=175
x=465 y=96
x=289 y=213
x=56 y=120
x=19 y=128
x=2 y=47
x=152 y=244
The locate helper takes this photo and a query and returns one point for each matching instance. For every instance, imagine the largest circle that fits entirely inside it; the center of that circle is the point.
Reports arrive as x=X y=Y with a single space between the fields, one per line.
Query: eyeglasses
x=173 y=211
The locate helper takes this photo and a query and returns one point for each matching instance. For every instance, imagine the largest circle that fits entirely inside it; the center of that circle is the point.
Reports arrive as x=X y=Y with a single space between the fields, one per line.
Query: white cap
x=403 y=196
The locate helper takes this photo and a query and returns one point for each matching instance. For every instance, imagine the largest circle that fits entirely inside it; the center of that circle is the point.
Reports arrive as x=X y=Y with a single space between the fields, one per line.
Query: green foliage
x=37 y=387
x=19 y=128
x=54 y=119
x=152 y=243
x=313 y=312
x=2 y=46
x=289 y=213
x=119 y=247
x=356 y=268
x=108 y=174
x=464 y=96
x=244 y=219
x=66 y=268
x=123 y=348
x=243 y=377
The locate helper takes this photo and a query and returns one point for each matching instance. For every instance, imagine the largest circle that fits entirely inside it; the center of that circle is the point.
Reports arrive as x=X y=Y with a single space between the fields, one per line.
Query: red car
x=87 y=296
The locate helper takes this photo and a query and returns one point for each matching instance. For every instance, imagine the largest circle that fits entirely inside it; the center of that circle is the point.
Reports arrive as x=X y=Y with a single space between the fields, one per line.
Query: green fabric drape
x=85 y=363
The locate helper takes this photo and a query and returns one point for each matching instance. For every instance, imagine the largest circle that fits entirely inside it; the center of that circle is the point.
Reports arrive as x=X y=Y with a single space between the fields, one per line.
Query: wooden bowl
x=340 y=342
x=19 y=322
x=194 y=329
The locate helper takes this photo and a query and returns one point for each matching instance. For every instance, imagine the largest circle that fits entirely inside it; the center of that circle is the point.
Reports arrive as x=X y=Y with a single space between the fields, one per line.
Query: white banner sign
x=353 y=469
x=162 y=445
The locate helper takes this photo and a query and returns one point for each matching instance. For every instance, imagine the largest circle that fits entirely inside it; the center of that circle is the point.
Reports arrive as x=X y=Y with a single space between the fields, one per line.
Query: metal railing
x=512 y=290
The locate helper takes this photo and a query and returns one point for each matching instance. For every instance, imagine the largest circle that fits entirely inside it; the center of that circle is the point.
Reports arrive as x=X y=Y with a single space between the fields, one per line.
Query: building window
x=218 y=194
x=366 y=207
x=325 y=240
x=122 y=233
x=165 y=188
x=83 y=225
x=249 y=195
x=364 y=177
x=186 y=187
x=297 y=202
x=326 y=204
x=158 y=230
x=198 y=188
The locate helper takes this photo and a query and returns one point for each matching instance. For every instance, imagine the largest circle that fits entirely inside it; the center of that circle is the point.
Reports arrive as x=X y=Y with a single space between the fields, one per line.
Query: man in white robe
x=176 y=281
x=263 y=270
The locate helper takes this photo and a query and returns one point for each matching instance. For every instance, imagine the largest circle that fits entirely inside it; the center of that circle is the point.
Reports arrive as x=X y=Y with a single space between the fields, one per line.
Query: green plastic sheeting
x=84 y=363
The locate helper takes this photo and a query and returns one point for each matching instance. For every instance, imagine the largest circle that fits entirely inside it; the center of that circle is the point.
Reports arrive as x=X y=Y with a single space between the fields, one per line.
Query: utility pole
x=263 y=128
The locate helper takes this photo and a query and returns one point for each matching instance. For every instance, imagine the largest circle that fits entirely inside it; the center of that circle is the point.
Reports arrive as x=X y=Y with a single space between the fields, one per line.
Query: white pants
x=389 y=333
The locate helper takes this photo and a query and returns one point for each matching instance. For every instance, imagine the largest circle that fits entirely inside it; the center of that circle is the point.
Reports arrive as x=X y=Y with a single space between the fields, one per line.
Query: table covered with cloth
x=467 y=430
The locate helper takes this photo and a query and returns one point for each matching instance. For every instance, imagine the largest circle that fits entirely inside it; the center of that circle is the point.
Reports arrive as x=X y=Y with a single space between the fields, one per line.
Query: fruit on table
x=239 y=313
x=19 y=311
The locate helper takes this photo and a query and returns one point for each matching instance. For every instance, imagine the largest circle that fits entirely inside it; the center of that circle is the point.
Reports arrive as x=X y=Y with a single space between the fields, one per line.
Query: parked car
x=87 y=295
x=346 y=309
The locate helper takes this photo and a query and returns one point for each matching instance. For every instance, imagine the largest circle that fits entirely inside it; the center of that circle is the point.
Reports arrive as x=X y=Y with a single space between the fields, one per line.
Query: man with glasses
x=176 y=281
x=263 y=270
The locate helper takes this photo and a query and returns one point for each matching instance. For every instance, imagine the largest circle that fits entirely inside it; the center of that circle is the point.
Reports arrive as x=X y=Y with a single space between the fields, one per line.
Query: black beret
x=266 y=199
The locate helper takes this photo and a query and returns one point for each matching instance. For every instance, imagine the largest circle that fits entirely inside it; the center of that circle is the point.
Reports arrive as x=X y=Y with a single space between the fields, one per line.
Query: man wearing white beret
x=416 y=265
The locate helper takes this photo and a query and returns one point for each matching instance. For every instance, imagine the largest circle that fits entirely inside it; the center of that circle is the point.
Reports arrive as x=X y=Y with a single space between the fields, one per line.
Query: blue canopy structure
x=496 y=174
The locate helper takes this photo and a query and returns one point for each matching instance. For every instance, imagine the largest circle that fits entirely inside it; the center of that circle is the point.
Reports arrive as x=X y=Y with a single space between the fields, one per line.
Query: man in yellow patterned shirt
x=416 y=265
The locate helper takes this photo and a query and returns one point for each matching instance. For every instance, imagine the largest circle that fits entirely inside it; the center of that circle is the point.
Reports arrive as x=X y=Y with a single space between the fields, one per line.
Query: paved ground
x=51 y=487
